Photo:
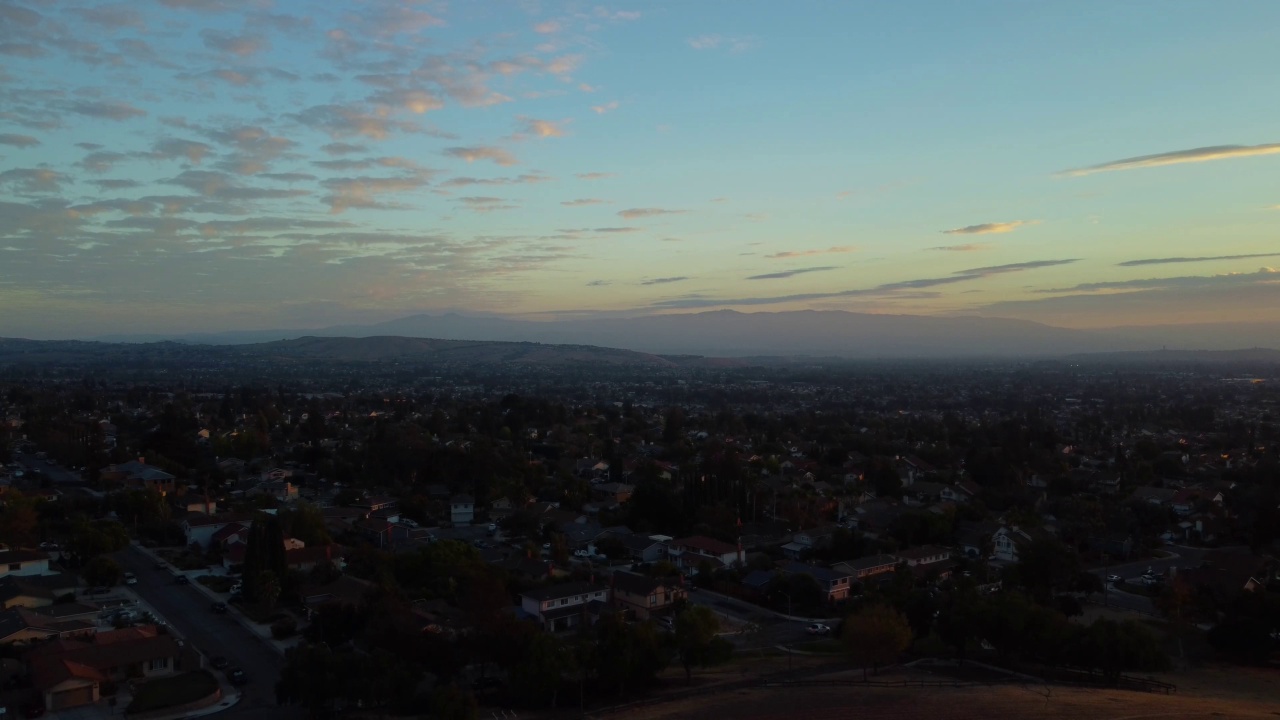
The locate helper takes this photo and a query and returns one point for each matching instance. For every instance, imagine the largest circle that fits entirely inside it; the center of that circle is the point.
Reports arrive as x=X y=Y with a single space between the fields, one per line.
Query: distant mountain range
x=728 y=333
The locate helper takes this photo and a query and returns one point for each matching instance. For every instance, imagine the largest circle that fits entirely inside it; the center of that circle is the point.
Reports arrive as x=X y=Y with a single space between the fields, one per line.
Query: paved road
x=773 y=630
x=187 y=610
x=58 y=474
x=1182 y=557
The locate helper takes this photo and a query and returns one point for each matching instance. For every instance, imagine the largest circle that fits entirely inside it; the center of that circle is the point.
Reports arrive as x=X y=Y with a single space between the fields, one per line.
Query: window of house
x=546 y=605
x=15 y=566
x=158 y=664
x=564 y=601
x=653 y=600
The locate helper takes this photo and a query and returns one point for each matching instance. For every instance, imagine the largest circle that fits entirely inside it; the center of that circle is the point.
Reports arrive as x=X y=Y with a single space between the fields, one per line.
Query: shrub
x=284 y=627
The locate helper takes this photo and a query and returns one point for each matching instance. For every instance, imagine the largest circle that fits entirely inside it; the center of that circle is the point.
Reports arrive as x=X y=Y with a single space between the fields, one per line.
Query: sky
x=210 y=165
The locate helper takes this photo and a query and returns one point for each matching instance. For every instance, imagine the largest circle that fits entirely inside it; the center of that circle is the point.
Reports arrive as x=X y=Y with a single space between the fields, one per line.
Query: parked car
x=1114 y=578
x=408 y=523
x=218 y=607
x=218 y=662
x=237 y=589
x=237 y=676
x=819 y=629
x=493 y=527
x=182 y=580
x=160 y=565
x=130 y=579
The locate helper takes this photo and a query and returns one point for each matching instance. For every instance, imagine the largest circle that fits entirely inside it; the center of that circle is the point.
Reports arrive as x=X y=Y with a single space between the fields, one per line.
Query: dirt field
x=1226 y=693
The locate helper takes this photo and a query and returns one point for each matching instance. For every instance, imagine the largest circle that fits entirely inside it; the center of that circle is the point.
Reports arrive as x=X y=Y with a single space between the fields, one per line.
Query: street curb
x=231 y=610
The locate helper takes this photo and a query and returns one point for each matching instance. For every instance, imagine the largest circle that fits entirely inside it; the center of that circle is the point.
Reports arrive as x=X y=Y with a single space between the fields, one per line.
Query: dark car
x=160 y=565
x=237 y=676
x=218 y=662
x=218 y=607
x=182 y=580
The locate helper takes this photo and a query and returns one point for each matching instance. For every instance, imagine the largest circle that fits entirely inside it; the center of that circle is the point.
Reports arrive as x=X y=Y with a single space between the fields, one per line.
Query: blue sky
x=178 y=165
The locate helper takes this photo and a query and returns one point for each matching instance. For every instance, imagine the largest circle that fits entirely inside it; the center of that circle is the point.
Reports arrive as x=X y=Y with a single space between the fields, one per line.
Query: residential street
x=773 y=630
x=187 y=610
x=1182 y=557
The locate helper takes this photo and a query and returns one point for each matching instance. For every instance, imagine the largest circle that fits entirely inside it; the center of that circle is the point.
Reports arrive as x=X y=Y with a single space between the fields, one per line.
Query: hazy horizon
x=185 y=166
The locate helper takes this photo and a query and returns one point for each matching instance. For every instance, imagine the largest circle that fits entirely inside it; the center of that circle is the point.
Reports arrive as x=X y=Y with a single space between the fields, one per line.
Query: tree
x=543 y=669
x=264 y=552
x=19 y=521
x=102 y=571
x=268 y=589
x=876 y=636
x=697 y=642
x=306 y=523
x=450 y=703
x=90 y=539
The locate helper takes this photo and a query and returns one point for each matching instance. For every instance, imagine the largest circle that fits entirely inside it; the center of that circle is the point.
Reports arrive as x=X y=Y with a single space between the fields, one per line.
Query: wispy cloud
x=599 y=283
x=732 y=43
x=1266 y=274
x=542 y=128
x=232 y=44
x=791 y=273
x=618 y=230
x=903 y=289
x=606 y=107
x=594 y=175
x=547 y=28
x=633 y=213
x=583 y=201
x=105 y=109
x=990 y=228
x=1178 y=157
x=526 y=179
x=967 y=247
x=665 y=280
x=21 y=141
x=1208 y=258
x=482 y=152
x=837 y=250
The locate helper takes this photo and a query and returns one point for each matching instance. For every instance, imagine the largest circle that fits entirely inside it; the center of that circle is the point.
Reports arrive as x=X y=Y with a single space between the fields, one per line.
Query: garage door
x=72 y=698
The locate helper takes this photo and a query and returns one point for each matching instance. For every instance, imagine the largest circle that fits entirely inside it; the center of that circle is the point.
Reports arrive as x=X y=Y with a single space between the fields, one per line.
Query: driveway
x=187 y=610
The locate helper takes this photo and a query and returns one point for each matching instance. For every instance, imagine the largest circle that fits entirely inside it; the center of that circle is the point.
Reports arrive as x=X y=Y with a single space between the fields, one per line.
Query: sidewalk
x=261 y=631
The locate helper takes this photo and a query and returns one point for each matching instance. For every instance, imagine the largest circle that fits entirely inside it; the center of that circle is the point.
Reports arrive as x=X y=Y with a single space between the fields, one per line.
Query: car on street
x=819 y=629
x=237 y=677
x=218 y=662
x=218 y=607
x=1114 y=578
x=160 y=565
x=236 y=589
x=182 y=580
x=130 y=579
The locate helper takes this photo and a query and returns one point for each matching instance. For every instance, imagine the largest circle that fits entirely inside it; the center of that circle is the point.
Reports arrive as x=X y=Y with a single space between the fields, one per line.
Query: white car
x=130 y=579
x=1114 y=578
x=819 y=629
x=493 y=527
x=238 y=587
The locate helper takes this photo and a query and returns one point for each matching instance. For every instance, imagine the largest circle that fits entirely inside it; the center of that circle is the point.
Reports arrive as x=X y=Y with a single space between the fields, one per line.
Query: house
x=1006 y=541
x=803 y=542
x=282 y=490
x=922 y=492
x=138 y=474
x=924 y=555
x=688 y=553
x=68 y=670
x=200 y=529
x=22 y=563
x=561 y=607
x=1184 y=500
x=612 y=493
x=833 y=581
x=462 y=509
x=645 y=597
x=19 y=626
x=32 y=591
x=304 y=559
x=867 y=567
x=975 y=538
x=643 y=548
x=1154 y=495
x=757 y=581
x=377 y=502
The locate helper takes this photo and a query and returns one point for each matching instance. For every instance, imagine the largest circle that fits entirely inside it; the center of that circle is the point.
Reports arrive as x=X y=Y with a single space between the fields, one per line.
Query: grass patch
x=172 y=691
x=216 y=583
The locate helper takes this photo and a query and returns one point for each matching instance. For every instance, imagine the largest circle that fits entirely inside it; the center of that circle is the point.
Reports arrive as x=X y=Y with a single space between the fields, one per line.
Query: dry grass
x=1224 y=693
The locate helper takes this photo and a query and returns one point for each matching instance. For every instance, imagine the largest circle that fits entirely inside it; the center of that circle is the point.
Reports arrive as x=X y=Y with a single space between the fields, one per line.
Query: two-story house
x=561 y=607
x=21 y=563
x=644 y=597
x=867 y=567
x=200 y=529
x=688 y=553
x=834 y=582
x=462 y=509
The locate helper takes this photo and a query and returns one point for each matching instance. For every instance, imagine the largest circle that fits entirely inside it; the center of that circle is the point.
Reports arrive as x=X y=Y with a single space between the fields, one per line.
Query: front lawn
x=172 y=691
x=823 y=645
x=216 y=583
